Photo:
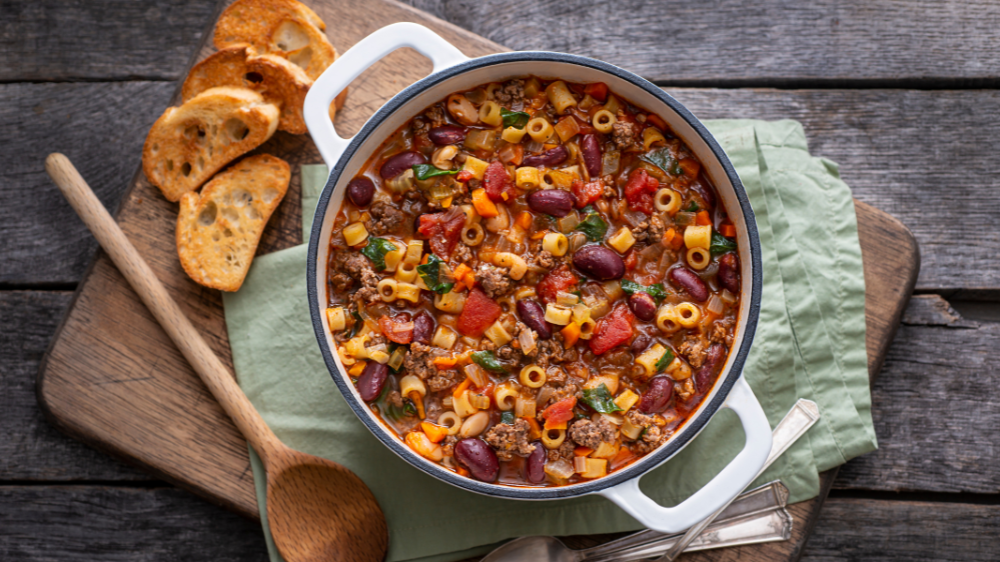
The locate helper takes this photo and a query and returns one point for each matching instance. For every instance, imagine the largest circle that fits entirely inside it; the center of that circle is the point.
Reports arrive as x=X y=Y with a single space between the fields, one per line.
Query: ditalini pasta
x=537 y=273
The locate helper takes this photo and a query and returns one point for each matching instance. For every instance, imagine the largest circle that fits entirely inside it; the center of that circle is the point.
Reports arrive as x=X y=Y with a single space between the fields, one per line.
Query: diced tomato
x=597 y=90
x=586 y=193
x=560 y=412
x=479 y=313
x=655 y=121
x=584 y=123
x=442 y=230
x=396 y=330
x=639 y=191
x=496 y=181
x=613 y=330
x=631 y=260
x=512 y=154
x=555 y=281
x=464 y=176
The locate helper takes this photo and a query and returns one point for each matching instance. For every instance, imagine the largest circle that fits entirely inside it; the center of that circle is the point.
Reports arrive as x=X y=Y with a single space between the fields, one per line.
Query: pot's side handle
x=356 y=60
x=732 y=480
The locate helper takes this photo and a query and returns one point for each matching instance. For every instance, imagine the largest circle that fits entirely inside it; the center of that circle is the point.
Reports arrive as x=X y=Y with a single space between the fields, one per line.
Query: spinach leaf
x=693 y=207
x=516 y=119
x=668 y=356
x=376 y=250
x=662 y=159
x=390 y=410
x=488 y=361
x=592 y=225
x=507 y=417
x=721 y=244
x=656 y=291
x=599 y=399
x=430 y=272
x=427 y=171
x=358 y=322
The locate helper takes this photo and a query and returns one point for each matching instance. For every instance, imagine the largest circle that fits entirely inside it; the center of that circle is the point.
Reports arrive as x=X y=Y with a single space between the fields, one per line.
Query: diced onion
x=728 y=297
x=560 y=469
x=476 y=374
x=715 y=305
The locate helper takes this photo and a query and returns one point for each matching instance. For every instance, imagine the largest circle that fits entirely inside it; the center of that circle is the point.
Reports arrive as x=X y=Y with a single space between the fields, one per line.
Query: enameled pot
x=454 y=72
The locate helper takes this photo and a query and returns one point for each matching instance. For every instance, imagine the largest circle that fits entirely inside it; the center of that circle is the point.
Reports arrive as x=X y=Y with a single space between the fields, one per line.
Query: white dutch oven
x=454 y=72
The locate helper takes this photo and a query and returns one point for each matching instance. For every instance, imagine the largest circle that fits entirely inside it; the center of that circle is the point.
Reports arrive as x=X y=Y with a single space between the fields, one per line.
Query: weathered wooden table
x=901 y=95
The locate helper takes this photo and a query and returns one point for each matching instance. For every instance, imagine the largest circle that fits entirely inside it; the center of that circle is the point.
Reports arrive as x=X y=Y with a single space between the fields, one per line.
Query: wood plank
x=51 y=40
x=55 y=523
x=896 y=150
x=894 y=531
x=771 y=43
x=935 y=407
x=30 y=448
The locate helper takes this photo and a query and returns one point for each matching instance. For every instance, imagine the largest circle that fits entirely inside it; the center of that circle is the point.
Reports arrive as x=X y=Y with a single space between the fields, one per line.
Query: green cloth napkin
x=810 y=343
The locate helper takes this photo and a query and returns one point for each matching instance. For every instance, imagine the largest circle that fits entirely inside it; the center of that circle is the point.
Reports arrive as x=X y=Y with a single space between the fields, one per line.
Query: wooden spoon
x=317 y=509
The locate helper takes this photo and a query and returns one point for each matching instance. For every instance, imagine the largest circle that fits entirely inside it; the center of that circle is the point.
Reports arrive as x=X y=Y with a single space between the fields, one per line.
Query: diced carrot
x=556 y=425
x=462 y=387
x=631 y=260
x=535 y=430
x=469 y=279
x=461 y=270
x=424 y=261
x=728 y=230
x=524 y=220
x=539 y=235
x=582 y=451
x=357 y=369
x=483 y=205
x=418 y=401
x=655 y=121
x=446 y=203
x=703 y=218
x=571 y=333
x=445 y=362
x=462 y=471
x=435 y=432
x=690 y=166
x=668 y=236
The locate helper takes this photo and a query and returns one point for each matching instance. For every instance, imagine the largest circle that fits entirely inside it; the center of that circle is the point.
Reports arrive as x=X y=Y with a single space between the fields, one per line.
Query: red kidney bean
x=446 y=134
x=399 y=163
x=590 y=148
x=690 y=281
x=640 y=344
x=423 y=328
x=657 y=395
x=534 y=468
x=643 y=306
x=550 y=158
x=599 y=262
x=372 y=380
x=479 y=458
x=361 y=191
x=729 y=272
x=705 y=376
x=555 y=202
x=705 y=192
x=533 y=316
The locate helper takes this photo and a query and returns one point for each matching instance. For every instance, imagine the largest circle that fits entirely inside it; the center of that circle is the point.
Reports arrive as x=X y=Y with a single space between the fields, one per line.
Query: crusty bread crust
x=286 y=28
x=227 y=67
x=285 y=83
x=218 y=231
x=188 y=144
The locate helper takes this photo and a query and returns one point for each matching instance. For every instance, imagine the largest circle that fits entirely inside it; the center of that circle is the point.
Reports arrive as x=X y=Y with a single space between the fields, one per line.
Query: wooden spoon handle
x=215 y=375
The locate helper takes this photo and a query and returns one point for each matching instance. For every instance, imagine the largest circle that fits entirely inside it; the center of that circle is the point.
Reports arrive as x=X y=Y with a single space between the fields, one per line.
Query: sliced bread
x=218 y=231
x=286 y=28
x=227 y=67
x=188 y=144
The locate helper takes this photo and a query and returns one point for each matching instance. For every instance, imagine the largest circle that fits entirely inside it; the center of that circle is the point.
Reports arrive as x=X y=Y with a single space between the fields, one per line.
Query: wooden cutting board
x=113 y=379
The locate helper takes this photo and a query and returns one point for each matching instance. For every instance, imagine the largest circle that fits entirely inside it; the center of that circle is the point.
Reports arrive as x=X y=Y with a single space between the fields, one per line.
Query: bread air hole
x=241 y=197
x=237 y=129
x=207 y=215
x=186 y=169
x=269 y=195
x=252 y=213
x=231 y=215
x=253 y=77
x=170 y=165
x=290 y=36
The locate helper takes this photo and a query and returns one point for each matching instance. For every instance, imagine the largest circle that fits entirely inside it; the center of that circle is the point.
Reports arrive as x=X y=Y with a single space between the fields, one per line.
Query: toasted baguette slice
x=286 y=28
x=227 y=67
x=218 y=231
x=188 y=144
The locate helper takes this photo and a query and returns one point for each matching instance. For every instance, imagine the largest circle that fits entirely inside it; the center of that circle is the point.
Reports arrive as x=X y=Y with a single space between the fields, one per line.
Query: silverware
x=796 y=422
x=756 y=516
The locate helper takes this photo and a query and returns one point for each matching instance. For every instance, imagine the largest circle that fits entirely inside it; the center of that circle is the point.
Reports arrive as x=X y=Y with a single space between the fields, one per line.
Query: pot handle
x=356 y=60
x=726 y=485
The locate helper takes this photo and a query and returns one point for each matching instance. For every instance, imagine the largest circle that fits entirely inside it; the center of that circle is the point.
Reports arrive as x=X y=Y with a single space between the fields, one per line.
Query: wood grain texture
x=52 y=40
x=70 y=523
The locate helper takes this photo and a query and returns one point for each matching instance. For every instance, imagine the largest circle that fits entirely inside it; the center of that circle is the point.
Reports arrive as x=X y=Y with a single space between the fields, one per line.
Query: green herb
x=668 y=356
x=430 y=272
x=578 y=293
x=721 y=244
x=354 y=380
x=488 y=361
x=516 y=119
x=358 y=322
x=656 y=291
x=662 y=159
x=599 y=399
x=507 y=417
x=390 y=410
x=427 y=171
x=593 y=226
x=376 y=250
x=410 y=409
x=578 y=415
x=693 y=207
